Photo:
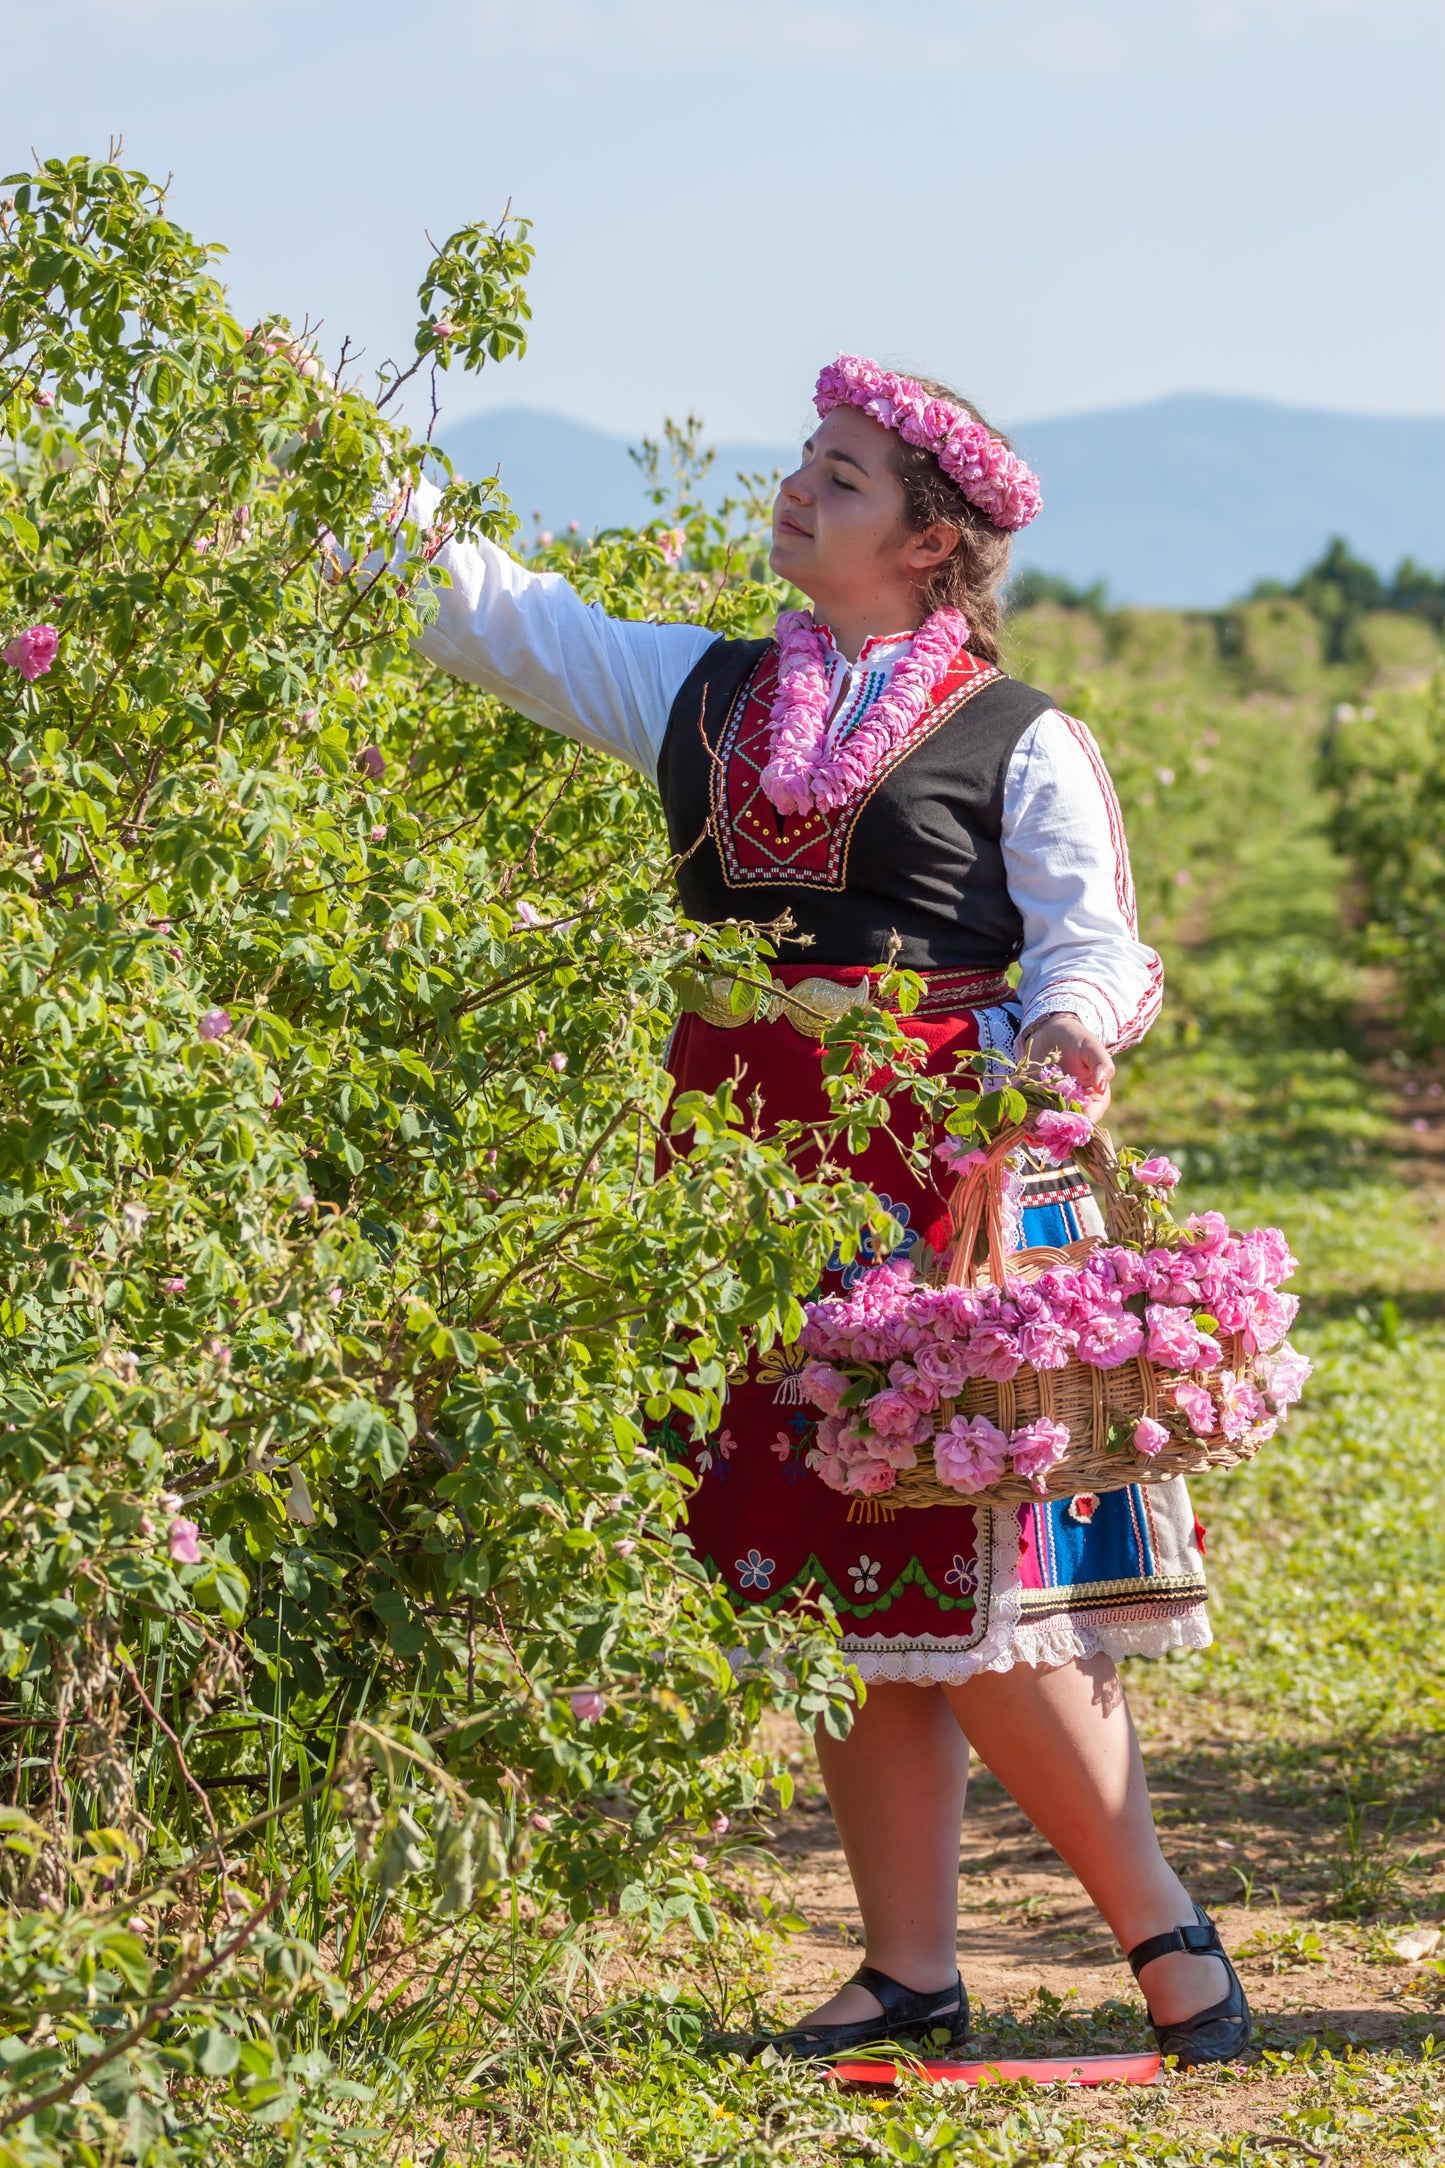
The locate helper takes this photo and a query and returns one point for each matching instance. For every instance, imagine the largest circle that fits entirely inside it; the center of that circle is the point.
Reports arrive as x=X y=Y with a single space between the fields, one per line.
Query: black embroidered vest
x=917 y=853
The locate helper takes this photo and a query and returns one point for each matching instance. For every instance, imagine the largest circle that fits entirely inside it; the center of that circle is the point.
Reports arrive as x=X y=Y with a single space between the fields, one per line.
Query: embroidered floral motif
x=962 y=1575
x=726 y=1445
x=781 y=1367
x=755 y=1571
x=867 y=1253
x=1084 y=1507
x=864 y=1575
x=810 y=849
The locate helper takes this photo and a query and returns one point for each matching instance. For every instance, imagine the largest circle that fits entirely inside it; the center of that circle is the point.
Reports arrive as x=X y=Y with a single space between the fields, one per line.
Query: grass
x=1298 y=1764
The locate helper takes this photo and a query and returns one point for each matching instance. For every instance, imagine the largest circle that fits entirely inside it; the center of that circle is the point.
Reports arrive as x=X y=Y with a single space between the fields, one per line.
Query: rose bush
x=336 y=1290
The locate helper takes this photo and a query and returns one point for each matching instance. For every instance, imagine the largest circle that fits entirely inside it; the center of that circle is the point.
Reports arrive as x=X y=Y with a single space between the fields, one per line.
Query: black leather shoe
x=937 y=2021
x=1216 y=2035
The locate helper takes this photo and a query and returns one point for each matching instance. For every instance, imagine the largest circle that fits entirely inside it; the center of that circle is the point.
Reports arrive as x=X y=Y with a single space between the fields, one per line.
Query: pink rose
x=1109 y=1338
x=43 y=398
x=1060 y=1135
x=920 y=1392
x=1149 y=1437
x=870 y=1478
x=824 y=1385
x=173 y=1286
x=214 y=1024
x=183 y=1536
x=1198 y=1405
x=32 y=653
x=1285 y=1375
x=993 y=1353
x=443 y=328
x=1159 y=1173
x=1271 y=1316
x=1037 y=1447
x=943 y=1367
x=1210 y=1230
x=373 y=760
x=958 y=1156
x=1045 y=1345
x=1174 y=1341
x=587 y=1704
x=672 y=544
x=1240 y=1404
x=891 y=1414
x=970 y=1453
x=902 y=1452
x=557 y=1062
x=832 y=1468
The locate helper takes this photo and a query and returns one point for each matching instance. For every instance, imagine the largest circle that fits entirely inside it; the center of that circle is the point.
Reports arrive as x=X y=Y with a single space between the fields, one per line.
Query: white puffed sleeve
x=530 y=638
x=1067 y=865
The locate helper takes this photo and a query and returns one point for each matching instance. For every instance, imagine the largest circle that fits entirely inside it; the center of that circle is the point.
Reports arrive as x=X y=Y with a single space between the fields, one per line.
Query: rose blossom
x=1060 y=1135
x=1109 y=1338
x=587 y=1704
x=1175 y=1341
x=32 y=653
x=1240 y=1404
x=1197 y=1404
x=1158 y=1173
x=944 y=1367
x=214 y=1024
x=373 y=760
x=870 y=1478
x=993 y=1352
x=891 y=1414
x=1045 y=1344
x=1285 y=1375
x=175 y=1285
x=183 y=1537
x=1271 y=1316
x=970 y=1453
x=1037 y=1447
x=672 y=542
x=956 y=1155
x=823 y=1385
x=1149 y=1437
x=920 y=1392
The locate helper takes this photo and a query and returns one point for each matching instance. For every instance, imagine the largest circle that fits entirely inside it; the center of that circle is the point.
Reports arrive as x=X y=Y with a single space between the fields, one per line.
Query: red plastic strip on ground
x=1038 y=2070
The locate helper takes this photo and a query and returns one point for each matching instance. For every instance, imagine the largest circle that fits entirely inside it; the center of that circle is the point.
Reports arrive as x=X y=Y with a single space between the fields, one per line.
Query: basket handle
x=976 y=1205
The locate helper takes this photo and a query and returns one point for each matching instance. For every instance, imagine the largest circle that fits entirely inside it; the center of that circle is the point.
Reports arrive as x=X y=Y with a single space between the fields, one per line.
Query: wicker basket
x=1100 y=1407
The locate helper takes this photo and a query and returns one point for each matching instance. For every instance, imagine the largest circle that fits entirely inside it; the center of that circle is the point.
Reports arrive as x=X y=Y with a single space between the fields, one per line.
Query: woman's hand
x=1080 y=1053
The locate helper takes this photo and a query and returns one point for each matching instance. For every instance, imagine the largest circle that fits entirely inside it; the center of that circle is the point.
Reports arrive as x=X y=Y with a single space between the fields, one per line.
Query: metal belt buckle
x=813 y=1006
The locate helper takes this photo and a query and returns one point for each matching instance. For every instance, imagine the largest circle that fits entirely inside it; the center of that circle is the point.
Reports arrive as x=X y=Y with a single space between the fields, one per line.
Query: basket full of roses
x=1155 y=1349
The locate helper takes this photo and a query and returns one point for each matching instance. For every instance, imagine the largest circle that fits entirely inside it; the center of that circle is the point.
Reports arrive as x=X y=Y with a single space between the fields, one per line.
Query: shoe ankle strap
x=1199 y=1940
x=893 y=1996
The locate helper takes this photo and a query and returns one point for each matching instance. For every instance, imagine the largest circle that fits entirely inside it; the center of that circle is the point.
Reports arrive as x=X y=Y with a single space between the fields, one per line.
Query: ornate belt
x=813 y=1005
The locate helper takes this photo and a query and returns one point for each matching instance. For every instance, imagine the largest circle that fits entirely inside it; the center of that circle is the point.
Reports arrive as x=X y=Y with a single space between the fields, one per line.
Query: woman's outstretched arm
x=530 y=638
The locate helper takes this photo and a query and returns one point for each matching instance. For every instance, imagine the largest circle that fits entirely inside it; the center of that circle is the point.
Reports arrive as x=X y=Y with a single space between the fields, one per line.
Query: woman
x=873 y=772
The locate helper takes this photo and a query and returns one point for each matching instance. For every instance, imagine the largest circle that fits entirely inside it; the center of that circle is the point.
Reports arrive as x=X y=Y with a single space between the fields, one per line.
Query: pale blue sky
x=1057 y=204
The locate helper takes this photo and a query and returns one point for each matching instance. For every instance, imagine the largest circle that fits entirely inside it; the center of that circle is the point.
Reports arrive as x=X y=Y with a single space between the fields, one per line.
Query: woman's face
x=839 y=531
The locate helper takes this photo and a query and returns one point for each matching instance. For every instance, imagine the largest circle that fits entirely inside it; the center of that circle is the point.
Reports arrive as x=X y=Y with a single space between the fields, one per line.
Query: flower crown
x=991 y=477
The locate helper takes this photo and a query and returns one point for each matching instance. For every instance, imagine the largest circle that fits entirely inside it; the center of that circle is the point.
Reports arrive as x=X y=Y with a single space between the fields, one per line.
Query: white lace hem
x=1045 y=1646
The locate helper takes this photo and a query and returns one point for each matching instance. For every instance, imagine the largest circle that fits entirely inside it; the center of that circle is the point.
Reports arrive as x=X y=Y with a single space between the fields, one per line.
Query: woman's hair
x=971 y=577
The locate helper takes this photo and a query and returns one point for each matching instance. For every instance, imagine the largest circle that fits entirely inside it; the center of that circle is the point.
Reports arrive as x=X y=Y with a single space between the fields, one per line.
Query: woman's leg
x=1063 y=1743
x=896 y=1785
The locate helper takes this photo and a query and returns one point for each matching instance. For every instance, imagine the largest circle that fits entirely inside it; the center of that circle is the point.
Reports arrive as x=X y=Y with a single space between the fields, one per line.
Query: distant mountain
x=1182 y=503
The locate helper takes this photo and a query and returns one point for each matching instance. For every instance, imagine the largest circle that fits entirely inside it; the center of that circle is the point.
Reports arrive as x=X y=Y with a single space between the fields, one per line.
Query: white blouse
x=610 y=683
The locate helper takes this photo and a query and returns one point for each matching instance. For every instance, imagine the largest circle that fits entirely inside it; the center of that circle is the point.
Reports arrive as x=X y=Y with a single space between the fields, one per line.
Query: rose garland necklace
x=806 y=772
